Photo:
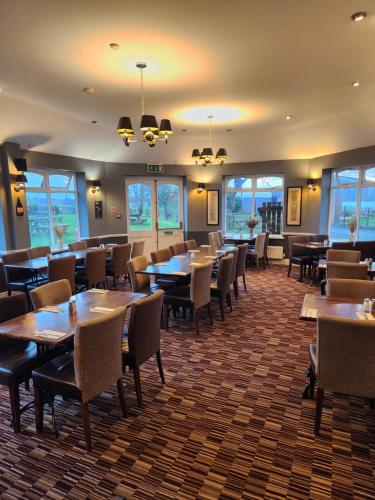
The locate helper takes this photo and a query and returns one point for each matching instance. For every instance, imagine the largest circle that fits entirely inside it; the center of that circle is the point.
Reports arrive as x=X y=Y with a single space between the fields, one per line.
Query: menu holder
x=97 y=290
x=102 y=310
x=50 y=334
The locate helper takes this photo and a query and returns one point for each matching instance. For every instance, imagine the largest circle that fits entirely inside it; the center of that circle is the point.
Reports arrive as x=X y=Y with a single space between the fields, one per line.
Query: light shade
x=200 y=187
x=125 y=126
x=20 y=164
x=207 y=153
x=221 y=154
x=21 y=178
x=166 y=127
x=196 y=153
x=149 y=122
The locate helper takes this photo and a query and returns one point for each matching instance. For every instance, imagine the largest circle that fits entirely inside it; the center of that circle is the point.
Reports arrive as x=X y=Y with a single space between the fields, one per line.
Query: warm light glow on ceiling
x=170 y=60
x=221 y=113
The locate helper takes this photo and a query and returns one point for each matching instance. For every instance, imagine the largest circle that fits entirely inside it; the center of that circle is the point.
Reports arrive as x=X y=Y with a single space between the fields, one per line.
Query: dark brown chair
x=118 y=266
x=299 y=255
x=367 y=249
x=36 y=252
x=178 y=248
x=161 y=255
x=190 y=244
x=138 y=248
x=17 y=279
x=221 y=288
x=241 y=265
x=63 y=268
x=92 y=242
x=94 y=273
x=343 y=245
x=77 y=245
x=94 y=366
x=143 y=337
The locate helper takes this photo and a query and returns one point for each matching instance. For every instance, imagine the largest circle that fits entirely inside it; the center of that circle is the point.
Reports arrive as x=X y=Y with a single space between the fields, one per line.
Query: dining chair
x=138 y=248
x=63 y=268
x=350 y=289
x=161 y=255
x=19 y=280
x=190 y=244
x=213 y=239
x=343 y=255
x=194 y=297
x=342 y=360
x=234 y=280
x=94 y=273
x=143 y=337
x=94 y=366
x=241 y=265
x=51 y=294
x=36 y=252
x=77 y=245
x=220 y=236
x=347 y=270
x=177 y=248
x=343 y=245
x=221 y=287
x=139 y=282
x=266 y=242
x=367 y=249
x=118 y=265
x=93 y=242
x=257 y=253
x=298 y=255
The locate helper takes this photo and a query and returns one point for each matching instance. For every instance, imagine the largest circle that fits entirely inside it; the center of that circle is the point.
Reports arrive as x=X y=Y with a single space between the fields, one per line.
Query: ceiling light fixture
x=149 y=126
x=114 y=46
x=356 y=84
x=21 y=180
x=288 y=117
x=88 y=90
x=358 y=16
x=207 y=156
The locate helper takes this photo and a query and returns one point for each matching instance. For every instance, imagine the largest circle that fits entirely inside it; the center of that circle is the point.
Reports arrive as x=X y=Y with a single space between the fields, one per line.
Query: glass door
x=170 y=216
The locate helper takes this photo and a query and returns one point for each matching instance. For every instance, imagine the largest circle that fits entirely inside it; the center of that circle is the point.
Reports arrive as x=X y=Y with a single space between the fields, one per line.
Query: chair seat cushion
x=57 y=376
x=302 y=260
x=312 y=356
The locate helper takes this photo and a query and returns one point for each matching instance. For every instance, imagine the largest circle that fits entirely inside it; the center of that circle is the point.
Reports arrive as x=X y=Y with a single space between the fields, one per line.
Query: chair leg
x=235 y=288
x=38 y=403
x=137 y=383
x=301 y=273
x=318 y=411
x=86 y=425
x=114 y=281
x=121 y=395
x=210 y=313
x=221 y=302
x=14 y=395
x=166 y=316
x=257 y=263
x=196 y=319
x=229 y=302
x=289 y=268
x=244 y=282
x=27 y=385
x=160 y=366
x=372 y=404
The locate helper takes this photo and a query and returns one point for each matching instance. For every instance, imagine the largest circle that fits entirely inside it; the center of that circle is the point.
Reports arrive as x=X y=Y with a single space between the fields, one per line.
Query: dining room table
x=315 y=305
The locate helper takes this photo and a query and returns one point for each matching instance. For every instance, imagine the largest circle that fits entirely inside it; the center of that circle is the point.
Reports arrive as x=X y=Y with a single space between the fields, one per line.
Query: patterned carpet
x=228 y=424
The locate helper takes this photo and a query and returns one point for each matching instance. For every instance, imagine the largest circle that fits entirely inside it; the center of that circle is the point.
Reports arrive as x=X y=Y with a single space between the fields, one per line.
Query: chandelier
x=207 y=156
x=151 y=132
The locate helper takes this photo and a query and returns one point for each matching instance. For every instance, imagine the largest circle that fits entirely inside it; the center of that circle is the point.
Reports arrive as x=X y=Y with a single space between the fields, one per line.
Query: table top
x=182 y=265
x=315 y=305
x=314 y=246
x=26 y=327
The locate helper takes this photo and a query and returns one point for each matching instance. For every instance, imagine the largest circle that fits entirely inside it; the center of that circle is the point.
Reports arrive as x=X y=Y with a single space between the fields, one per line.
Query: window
x=260 y=197
x=352 y=200
x=52 y=207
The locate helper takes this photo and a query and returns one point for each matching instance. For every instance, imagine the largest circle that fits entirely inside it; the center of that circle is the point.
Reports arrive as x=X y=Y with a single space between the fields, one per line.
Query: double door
x=154 y=210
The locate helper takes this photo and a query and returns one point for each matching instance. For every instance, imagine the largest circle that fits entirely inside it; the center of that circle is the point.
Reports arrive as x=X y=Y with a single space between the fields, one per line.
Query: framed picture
x=213 y=207
x=294 y=206
x=98 y=210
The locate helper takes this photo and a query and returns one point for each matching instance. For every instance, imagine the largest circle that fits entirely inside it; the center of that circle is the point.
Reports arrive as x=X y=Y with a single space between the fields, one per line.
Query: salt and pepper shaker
x=72 y=306
x=373 y=306
x=367 y=305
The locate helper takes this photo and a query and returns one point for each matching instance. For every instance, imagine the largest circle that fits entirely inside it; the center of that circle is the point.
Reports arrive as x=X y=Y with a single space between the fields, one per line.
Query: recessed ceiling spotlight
x=114 y=46
x=88 y=90
x=229 y=130
x=356 y=84
x=184 y=130
x=358 y=16
x=94 y=122
x=288 y=117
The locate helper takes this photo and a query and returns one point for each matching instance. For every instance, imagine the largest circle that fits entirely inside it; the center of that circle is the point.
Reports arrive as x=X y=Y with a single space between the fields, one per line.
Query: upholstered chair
x=92 y=242
x=161 y=255
x=143 y=337
x=118 y=266
x=77 y=245
x=190 y=244
x=241 y=264
x=258 y=253
x=51 y=294
x=234 y=280
x=221 y=287
x=350 y=289
x=94 y=366
x=138 y=248
x=36 y=252
x=95 y=270
x=213 y=239
x=266 y=243
x=220 y=237
x=178 y=248
x=343 y=245
x=347 y=270
x=62 y=268
x=19 y=280
x=343 y=255
x=139 y=282
x=298 y=255
x=367 y=249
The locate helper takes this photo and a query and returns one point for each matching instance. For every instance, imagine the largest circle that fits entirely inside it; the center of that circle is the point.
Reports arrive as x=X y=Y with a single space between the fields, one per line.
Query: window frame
x=48 y=190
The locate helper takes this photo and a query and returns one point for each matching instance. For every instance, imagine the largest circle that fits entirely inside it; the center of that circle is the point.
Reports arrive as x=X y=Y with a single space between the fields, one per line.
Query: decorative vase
x=351 y=236
x=60 y=244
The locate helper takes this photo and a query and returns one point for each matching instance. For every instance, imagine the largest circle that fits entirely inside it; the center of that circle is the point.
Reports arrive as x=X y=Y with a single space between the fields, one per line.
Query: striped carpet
x=228 y=424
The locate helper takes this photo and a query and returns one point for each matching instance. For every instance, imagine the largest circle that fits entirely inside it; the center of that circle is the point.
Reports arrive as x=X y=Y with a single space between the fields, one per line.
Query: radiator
x=275 y=252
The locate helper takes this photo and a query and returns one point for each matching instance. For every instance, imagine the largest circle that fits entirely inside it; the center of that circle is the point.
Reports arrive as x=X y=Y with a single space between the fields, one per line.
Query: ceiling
x=259 y=60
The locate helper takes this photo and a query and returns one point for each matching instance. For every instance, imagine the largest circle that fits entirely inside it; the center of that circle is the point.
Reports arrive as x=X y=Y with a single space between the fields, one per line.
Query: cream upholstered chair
x=92 y=242
x=346 y=270
x=118 y=266
x=343 y=360
x=139 y=282
x=195 y=297
x=77 y=245
x=234 y=269
x=35 y=252
x=343 y=256
x=84 y=374
x=221 y=288
x=63 y=268
x=161 y=255
x=190 y=244
x=178 y=248
x=138 y=248
x=143 y=337
x=258 y=253
x=220 y=237
x=350 y=289
x=94 y=273
x=241 y=264
x=213 y=239
x=51 y=294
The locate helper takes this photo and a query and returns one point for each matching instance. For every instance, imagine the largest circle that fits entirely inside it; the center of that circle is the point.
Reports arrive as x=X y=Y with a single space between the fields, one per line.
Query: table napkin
x=97 y=290
x=51 y=309
x=209 y=257
x=99 y=309
x=308 y=312
x=50 y=334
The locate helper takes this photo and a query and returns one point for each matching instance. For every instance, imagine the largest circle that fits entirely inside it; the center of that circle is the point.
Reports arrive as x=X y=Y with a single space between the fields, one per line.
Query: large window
x=352 y=202
x=52 y=207
x=257 y=197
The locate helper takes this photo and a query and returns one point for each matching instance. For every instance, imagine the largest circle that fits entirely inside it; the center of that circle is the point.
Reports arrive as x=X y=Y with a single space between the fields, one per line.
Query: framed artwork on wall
x=294 y=206
x=98 y=210
x=213 y=217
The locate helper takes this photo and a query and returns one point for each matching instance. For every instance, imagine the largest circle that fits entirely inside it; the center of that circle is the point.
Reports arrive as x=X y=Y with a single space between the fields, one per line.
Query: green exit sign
x=155 y=169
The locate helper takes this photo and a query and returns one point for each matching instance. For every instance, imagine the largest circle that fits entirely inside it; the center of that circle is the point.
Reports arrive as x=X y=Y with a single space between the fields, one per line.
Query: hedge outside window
x=51 y=203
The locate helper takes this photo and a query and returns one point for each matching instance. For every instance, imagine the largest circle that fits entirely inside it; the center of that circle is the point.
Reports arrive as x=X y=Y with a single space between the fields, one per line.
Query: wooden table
x=25 y=327
x=182 y=265
x=343 y=308
x=314 y=248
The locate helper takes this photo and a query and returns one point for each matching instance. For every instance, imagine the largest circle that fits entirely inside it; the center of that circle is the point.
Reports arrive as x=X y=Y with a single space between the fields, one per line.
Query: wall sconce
x=200 y=187
x=20 y=164
x=20 y=183
x=311 y=184
x=96 y=185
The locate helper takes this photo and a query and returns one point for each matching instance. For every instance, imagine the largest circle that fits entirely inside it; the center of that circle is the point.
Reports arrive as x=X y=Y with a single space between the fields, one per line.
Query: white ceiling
x=267 y=59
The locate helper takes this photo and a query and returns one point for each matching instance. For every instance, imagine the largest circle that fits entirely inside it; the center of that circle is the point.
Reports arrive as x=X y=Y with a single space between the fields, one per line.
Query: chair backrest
x=178 y=248
x=11 y=306
x=77 y=245
x=350 y=289
x=51 y=294
x=63 y=268
x=138 y=281
x=241 y=259
x=161 y=255
x=259 y=244
x=220 y=236
x=95 y=266
x=35 y=252
x=13 y=258
x=138 y=248
x=224 y=273
x=97 y=353
x=200 y=293
x=92 y=242
x=294 y=251
x=190 y=244
x=120 y=256
x=234 y=252
x=346 y=356
x=266 y=242
x=343 y=245
x=347 y=270
x=144 y=327
x=367 y=249
x=213 y=239
x=320 y=238
x=343 y=255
